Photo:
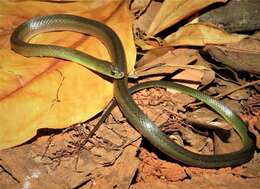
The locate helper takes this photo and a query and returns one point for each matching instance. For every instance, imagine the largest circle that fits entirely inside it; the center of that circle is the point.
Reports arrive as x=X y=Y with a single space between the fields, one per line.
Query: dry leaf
x=226 y=86
x=227 y=16
x=200 y=35
x=48 y=92
x=120 y=174
x=143 y=45
x=143 y=22
x=161 y=61
x=139 y=6
x=163 y=109
x=50 y=161
x=235 y=105
x=226 y=142
x=207 y=116
x=172 y=12
x=208 y=77
x=241 y=56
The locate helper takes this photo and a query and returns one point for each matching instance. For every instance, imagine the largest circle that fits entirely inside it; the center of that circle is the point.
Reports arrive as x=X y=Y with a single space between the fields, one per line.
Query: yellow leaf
x=200 y=35
x=172 y=12
x=52 y=93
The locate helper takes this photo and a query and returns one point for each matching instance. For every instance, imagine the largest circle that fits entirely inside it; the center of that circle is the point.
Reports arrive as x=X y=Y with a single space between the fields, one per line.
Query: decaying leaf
x=163 y=61
x=48 y=92
x=226 y=141
x=200 y=35
x=172 y=12
x=159 y=62
x=143 y=44
x=139 y=6
x=241 y=56
x=51 y=160
x=141 y=25
x=143 y=22
x=234 y=16
x=226 y=86
x=206 y=116
x=208 y=77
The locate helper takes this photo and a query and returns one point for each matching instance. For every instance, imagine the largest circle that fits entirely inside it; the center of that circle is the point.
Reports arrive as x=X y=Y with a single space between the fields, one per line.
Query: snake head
x=116 y=73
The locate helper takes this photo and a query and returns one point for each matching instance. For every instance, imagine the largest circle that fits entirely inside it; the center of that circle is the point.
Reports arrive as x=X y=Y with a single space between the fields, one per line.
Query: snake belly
x=20 y=43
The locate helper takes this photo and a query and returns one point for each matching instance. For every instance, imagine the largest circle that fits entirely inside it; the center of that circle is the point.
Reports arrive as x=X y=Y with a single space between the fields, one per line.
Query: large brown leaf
x=47 y=92
x=172 y=12
x=200 y=34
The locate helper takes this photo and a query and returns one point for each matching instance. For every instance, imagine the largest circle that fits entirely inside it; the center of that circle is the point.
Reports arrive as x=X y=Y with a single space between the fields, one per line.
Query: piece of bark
x=235 y=16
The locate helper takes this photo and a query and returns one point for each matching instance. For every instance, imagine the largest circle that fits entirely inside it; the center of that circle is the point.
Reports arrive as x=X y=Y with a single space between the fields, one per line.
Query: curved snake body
x=20 y=43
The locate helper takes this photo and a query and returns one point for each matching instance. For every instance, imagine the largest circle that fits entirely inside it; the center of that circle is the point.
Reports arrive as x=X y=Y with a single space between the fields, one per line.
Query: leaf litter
x=232 y=88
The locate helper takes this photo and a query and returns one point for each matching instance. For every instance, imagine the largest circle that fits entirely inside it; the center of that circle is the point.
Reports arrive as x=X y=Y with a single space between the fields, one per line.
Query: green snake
x=117 y=70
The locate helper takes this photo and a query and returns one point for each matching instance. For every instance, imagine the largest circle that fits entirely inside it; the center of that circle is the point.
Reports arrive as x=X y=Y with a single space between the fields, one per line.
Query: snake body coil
x=20 y=43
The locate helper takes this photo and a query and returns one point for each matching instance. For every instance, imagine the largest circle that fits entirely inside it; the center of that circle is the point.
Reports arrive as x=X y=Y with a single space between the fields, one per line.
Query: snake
x=117 y=70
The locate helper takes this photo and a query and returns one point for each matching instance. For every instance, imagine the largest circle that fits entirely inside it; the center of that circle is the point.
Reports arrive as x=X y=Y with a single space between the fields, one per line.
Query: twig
x=10 y=174
x=48 y=145
x=106 y=112
x=220 y=96
x=104 y=115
